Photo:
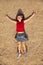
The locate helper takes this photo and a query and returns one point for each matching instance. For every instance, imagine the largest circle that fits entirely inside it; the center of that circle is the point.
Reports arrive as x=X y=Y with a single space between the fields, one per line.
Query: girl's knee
x=19 y=43
x=23 y=43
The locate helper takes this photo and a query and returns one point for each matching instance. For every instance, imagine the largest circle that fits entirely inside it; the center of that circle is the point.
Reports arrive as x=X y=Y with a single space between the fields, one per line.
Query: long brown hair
x=20 y=13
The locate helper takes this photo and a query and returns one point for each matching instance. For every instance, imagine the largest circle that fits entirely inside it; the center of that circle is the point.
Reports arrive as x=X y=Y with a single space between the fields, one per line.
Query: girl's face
x=19 y=18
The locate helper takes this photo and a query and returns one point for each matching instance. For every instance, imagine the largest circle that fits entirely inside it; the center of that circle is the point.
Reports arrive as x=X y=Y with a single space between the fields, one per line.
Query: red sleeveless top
x=20 y=26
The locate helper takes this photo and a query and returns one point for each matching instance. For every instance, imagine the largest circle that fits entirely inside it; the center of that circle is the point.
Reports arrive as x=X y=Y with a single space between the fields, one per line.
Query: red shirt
x=20 y=26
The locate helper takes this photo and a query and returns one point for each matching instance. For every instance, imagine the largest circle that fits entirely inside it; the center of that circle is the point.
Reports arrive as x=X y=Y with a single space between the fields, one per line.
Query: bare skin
x=24 y=47
x=19 y=46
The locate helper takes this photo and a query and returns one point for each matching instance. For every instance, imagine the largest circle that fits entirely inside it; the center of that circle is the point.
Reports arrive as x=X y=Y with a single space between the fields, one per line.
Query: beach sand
x=33 y=27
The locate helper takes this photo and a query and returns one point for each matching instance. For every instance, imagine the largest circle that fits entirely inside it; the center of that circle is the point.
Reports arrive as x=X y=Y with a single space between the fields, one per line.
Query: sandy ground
x=34 y=29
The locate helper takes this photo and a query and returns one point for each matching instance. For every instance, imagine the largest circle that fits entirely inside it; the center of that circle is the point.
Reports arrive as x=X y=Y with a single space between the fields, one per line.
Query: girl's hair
x=20 y=13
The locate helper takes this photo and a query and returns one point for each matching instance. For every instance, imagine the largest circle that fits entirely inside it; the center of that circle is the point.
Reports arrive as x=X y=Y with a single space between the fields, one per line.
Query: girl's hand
x=34 y=12
x=7 y=15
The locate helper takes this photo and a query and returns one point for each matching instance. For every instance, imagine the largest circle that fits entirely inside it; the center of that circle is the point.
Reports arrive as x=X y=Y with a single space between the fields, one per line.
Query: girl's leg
x=24 y=46
x=19 y=47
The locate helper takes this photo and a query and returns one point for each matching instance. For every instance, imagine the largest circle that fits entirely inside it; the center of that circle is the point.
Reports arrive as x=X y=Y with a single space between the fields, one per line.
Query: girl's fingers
x=34 y=12
x=6 y=15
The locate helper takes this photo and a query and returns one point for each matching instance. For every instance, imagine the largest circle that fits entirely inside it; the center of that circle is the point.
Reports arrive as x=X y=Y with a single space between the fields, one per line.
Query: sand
x=33 y=27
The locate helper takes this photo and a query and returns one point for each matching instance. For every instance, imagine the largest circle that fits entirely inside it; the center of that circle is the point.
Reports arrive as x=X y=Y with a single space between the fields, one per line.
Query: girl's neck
x=19 y=21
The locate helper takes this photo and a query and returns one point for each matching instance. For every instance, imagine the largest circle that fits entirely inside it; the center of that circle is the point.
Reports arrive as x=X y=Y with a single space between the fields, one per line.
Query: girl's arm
x=14 y=21
x=29 y=17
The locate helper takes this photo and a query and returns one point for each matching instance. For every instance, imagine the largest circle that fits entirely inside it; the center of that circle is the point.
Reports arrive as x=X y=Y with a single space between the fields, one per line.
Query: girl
x=21 y=36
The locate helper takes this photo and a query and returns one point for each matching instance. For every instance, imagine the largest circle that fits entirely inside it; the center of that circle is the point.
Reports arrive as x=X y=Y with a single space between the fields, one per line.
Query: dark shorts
x=21 y=37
